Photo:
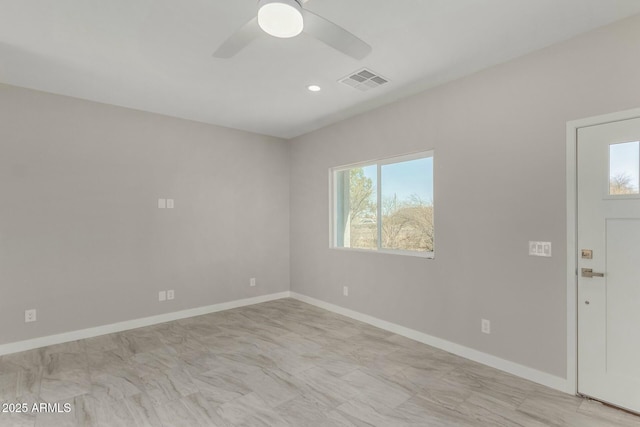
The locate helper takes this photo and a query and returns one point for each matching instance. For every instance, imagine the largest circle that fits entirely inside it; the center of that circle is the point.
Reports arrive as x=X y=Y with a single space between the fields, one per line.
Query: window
x=624 y=168
x=385 y=205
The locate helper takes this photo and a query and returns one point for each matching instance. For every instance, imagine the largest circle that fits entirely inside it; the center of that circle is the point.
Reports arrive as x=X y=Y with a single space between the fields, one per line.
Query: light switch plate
x=171 y=294
x=162 y=203
x=542 y=249
x=170 y=204
x=162 y=296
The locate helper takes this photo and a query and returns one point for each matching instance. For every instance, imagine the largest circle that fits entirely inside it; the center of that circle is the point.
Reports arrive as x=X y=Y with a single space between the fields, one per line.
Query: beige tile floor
x=281 y=363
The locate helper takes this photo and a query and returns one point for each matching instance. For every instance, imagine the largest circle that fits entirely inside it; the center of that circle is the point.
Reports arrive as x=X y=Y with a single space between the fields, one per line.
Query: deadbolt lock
x=587 y=254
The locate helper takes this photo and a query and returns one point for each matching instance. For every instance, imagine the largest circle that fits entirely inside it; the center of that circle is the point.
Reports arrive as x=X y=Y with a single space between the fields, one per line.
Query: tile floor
x=281 y=363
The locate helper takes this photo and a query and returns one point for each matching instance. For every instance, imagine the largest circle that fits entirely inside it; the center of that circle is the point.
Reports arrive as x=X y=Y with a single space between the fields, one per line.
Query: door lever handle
x=588 y=272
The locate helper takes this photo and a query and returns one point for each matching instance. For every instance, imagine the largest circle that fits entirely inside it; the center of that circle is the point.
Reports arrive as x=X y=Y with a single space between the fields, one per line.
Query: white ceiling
x=155 y=55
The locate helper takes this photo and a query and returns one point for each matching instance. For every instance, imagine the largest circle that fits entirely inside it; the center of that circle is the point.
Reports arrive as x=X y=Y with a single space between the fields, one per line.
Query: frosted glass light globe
x=280 y=18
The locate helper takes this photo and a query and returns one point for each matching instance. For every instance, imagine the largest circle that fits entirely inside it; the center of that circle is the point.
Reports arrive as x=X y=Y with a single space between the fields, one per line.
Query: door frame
x=572 y=234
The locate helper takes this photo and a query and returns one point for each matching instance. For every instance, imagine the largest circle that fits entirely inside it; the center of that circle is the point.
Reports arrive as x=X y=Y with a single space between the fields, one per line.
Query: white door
x=609 y=246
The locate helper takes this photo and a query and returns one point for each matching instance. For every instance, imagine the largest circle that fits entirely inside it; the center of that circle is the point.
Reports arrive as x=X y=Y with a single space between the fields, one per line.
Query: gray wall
x=82 y=239
x=499 y=138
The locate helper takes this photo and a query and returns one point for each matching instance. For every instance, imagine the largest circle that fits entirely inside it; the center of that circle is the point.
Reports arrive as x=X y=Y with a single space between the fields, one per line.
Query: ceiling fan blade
x=238 y=40
x=334 y=35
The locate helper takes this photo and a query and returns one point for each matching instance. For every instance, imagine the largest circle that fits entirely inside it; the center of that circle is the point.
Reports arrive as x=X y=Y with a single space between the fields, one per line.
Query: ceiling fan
x=287 y=18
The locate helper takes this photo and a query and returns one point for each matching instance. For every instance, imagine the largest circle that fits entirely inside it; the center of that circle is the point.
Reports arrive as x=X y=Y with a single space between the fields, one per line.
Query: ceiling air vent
x=364 y=80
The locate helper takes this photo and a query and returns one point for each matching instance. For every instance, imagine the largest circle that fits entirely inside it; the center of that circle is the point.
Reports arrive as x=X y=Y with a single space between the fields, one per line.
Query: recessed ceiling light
x=314 y=88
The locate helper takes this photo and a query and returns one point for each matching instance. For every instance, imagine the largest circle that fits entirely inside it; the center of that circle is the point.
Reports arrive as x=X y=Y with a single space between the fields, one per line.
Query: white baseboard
x=30 y=344
x=522 y=371
x=525 y=372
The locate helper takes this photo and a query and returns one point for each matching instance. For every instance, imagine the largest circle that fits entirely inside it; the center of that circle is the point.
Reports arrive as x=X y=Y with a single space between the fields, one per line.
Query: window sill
x=425 y=255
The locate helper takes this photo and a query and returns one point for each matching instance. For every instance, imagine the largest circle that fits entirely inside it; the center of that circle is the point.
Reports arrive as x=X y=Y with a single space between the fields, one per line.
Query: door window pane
x=624 y=168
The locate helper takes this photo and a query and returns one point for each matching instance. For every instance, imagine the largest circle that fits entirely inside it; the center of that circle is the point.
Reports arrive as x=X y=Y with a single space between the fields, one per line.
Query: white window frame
x=333 y=203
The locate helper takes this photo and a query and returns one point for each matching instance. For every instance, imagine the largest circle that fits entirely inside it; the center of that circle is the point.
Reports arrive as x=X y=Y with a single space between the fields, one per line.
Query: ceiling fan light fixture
x=280 y=18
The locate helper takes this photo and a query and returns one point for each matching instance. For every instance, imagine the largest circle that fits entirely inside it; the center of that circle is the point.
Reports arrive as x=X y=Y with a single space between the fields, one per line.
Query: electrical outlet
x=345 y=291
x=252 y=282
x=486 y=326
x=30 y=315
x=171 y=294
x=162 y=296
